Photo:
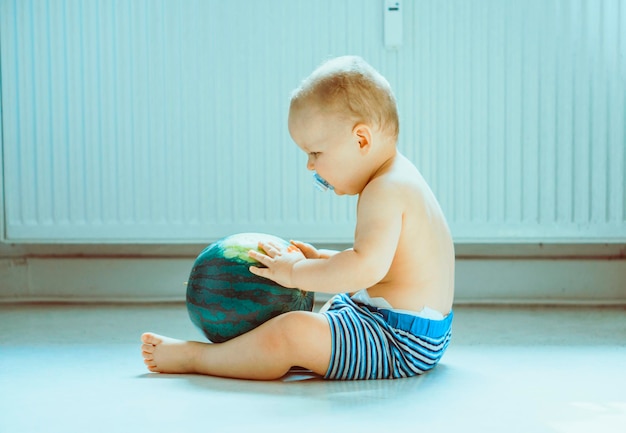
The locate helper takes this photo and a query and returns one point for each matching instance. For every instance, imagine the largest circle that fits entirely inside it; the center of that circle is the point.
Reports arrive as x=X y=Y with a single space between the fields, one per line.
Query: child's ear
x=363 y=134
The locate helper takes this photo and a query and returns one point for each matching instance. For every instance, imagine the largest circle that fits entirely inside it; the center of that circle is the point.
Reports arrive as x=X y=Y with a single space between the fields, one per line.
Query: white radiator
x=133 y=121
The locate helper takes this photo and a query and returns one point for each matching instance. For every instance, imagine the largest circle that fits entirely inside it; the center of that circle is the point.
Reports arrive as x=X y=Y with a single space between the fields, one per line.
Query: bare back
x=422 y=271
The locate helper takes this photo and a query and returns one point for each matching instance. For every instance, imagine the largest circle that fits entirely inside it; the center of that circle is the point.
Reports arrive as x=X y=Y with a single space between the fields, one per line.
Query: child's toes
x=151 y=364
x=150 y=338
x=147 y=348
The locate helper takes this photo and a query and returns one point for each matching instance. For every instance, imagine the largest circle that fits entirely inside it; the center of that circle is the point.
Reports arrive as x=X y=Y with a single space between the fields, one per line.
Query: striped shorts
x=373 y=343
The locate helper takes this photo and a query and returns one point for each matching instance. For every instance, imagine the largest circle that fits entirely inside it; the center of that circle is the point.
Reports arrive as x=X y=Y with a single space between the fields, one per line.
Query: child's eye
x=314 y=154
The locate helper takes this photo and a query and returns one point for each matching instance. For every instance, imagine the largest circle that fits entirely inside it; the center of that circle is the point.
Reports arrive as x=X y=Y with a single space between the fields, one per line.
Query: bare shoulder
x=383 y=197
x=400 y=183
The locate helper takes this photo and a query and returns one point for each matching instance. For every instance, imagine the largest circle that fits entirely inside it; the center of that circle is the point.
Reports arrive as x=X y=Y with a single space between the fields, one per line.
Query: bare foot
x=168 y=355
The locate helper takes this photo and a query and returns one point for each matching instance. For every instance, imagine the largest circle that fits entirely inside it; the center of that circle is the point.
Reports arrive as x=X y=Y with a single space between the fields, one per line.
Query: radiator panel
x=166 y=121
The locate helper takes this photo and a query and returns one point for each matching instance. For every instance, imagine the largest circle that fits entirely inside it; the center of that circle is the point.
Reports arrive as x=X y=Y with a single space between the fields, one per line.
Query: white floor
x=78 y=369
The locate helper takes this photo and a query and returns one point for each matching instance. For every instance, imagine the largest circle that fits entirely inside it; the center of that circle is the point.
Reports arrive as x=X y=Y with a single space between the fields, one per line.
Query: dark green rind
x=224 y=299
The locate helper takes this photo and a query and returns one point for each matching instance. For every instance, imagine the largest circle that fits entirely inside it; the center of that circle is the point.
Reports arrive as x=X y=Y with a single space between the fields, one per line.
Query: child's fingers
x=271 y=244
x=259 y=257
x=308 y=250
x=261 y=272
x=293 y=249
x=301 y=245
x=270 y=248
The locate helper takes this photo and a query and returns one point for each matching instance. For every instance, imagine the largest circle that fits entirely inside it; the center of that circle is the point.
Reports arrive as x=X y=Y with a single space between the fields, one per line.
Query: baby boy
x=392 y=310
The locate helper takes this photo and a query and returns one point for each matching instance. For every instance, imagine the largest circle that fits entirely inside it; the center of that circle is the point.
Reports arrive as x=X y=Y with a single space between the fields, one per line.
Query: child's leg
x=267 y=352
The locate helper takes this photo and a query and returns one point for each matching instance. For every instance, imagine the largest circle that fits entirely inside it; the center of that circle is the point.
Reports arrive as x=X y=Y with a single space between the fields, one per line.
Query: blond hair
x=349 y=86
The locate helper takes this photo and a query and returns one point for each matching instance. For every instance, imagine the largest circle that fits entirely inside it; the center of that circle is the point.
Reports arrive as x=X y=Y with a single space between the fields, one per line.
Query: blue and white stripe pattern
x=373 y=343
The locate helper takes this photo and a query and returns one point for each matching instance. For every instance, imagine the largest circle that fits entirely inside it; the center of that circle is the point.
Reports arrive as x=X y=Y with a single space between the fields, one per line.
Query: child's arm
x=379 y=223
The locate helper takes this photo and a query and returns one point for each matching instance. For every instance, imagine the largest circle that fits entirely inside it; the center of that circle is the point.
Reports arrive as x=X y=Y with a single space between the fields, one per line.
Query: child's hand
x=309 y=251
x=279 y=261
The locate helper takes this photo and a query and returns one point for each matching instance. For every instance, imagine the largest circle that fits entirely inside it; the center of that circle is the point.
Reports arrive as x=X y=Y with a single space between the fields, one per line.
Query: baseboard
x=478 y=281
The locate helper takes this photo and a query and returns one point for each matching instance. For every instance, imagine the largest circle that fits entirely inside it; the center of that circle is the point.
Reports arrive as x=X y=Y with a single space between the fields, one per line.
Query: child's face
x=330 y=145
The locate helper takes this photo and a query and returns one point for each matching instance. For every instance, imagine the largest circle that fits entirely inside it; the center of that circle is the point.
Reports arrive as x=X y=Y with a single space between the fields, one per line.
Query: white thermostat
x=393 y=24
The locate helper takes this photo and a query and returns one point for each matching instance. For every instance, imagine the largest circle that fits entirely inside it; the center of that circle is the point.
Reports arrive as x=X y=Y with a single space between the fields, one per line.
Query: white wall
x=135 y=132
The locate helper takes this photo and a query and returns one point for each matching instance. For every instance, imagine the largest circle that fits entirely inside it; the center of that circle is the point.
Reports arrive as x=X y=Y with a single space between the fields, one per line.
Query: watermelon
x=224 y=299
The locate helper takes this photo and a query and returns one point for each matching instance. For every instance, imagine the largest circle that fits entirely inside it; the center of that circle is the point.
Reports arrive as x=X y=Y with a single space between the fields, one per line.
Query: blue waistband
x=410 y=323
x=418 y=325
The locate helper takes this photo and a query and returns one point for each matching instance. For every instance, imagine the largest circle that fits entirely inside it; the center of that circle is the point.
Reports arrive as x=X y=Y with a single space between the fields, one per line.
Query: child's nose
x=309 y=164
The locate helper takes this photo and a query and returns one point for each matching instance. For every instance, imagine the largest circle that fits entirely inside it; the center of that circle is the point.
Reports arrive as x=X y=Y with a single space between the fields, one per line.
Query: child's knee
x=305 y=335
x=279 y=333
x=298 y=323
x=294 y=329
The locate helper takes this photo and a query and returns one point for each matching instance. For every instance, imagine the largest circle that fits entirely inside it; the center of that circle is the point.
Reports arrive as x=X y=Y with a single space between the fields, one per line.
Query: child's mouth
x=321 y=183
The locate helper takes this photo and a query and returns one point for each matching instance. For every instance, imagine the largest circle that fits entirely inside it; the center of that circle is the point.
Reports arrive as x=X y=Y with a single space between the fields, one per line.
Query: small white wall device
x=393 y=24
